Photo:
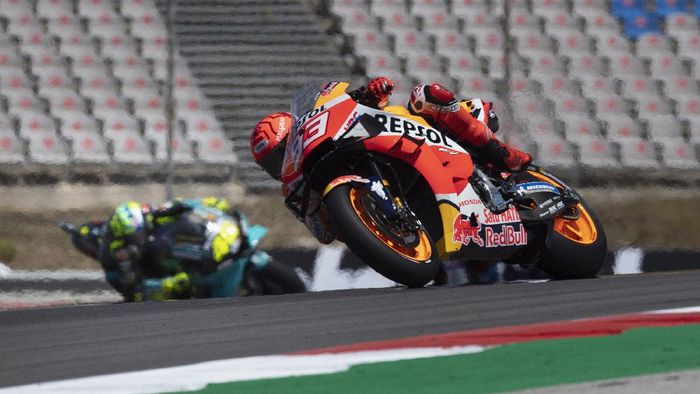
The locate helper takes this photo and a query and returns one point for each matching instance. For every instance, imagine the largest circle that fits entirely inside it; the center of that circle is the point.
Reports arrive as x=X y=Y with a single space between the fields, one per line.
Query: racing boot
x=440 y=105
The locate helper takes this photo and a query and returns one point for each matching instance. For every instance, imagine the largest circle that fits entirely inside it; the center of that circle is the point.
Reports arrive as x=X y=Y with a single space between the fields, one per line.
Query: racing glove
x=380 y=88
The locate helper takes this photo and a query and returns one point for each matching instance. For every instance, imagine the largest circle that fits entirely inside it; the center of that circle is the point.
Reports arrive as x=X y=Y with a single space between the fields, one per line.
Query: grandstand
x=594 y=84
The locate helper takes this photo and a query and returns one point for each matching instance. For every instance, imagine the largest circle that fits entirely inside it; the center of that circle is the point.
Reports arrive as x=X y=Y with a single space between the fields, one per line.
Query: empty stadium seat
x=638 y=153
x=33 y=124
x=47 y=149
x=425 y=68
x=553 y=151
x=651 y=105
x=663 y=126
x=579 y=127
x=130 y=149
x=618 y=126
x=610 y=42
x=410 y=42
x=625 y=64
x=149 y=25
x=571 y=42
x=136 y=8
x=557 y=85
x=665 y=64
x=678 y=85
x=96 y=8
x=611 y=103
x=89 y=150
x=680 y=21
x=596 y=19
x=11 y=149
x=593 y=86
x=676 y=153
x=595 y=152
x=688 y=106
x=653 y=43
x=584 y=64
x=636 y=85
x=76 y=124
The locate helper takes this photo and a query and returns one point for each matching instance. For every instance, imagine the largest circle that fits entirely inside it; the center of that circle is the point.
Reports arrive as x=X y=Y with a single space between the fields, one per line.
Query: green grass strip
x=510 y=367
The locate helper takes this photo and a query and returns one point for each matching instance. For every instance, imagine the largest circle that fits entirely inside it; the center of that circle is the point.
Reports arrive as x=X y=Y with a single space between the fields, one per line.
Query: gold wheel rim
x=419 y=253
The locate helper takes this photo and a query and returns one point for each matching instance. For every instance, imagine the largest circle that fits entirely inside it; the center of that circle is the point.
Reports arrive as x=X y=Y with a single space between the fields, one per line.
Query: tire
x=354 y=220
x=569 y=255
x=273 y=279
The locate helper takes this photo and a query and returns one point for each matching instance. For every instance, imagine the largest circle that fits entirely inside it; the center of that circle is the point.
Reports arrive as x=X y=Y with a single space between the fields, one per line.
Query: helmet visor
x=272 y=162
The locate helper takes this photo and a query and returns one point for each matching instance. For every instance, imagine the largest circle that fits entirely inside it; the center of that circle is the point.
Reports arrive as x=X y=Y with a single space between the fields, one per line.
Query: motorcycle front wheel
x=407 y=257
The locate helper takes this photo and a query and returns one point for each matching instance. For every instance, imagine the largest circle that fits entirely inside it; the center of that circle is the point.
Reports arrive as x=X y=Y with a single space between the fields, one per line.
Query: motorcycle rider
x=136 y=236
x=473 y=123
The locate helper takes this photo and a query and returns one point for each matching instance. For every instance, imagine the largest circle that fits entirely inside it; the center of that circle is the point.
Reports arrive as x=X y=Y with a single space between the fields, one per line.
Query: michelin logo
x=533 y=187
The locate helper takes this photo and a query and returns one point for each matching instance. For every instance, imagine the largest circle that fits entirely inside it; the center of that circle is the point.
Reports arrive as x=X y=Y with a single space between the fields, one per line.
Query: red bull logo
x=466 y=230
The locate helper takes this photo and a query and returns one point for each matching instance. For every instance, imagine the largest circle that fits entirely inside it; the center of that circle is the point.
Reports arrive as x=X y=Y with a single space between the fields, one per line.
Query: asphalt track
x=68 y=342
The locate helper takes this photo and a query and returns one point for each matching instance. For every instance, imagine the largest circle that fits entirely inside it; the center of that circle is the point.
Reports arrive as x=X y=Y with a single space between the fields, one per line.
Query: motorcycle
x=252 y=272
x=404 y=196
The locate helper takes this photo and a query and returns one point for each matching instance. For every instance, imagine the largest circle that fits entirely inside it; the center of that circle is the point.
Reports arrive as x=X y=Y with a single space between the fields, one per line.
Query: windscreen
x=302 y=103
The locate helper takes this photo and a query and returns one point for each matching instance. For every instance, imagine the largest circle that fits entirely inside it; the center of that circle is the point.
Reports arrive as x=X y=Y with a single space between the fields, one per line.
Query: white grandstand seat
x=544 y=63
x=89 y=148
x=584 y=64
x=461 y=63
x=588 y=6
x=634 y=85
x=128 y=67
x=478 y=20
x=419 y=7
x=64 y=26
x=11 y=149
x=595 y=152
x=77 y=123
x=382 y=61
x=149 y=25
x=618 y=126
x=51 y=80
x=553 y=151
x=556 y=85
x=47 y=148
x=476 y=85
x=77 y=45
x=215 y=149
x=532 y=42
x=579 y=127
x=611 y=103
x=594 y=85
x=519 y=83
x=462 y=8
x=106 y=104
x=130 y=148
x=676 y=153
x=680 y=21
x=570 y=42
x=411 y=42
x=13 y=9
x=625 y=64
x=145 y=105
x=118 y=46
x=199 y=123
x=487 y=41
x=688 y=42
x=653 y=43
x=597 y=19
x=138 y=85
x=557 y=18
x=652 y=104
x=397 y=23
x=436 y=20
x=678 y=85
x=665 y=64
x=447 y=42
x=118 y=123
x=94 y=81
x=182 y=150
x=663 y=126
x=23 y=101
x=96 y=8
x=136 y=8
x=522 y=21
x=390 y=13
x=357 y=20
x=609 y=42
x=35 y=124
x=688 y=106
x=106 y=26
x=10 y=62
x=545 y=5
x=64 y=101
x=424 y=67
x=529 y=105
x=371 y=42
x=638 y=153
x=154 y=47
x=537 y=125
x=568 y=103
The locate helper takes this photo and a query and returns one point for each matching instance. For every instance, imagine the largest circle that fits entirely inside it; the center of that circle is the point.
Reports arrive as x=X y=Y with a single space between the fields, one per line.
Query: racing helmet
x=129 y=223
x=269 y=140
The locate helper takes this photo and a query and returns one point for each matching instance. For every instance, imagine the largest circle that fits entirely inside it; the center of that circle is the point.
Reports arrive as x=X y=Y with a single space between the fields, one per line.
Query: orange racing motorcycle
x=404 y=196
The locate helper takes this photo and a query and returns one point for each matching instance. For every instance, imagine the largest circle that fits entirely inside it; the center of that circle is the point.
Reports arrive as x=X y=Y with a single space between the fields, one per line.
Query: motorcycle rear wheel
x=410 y=259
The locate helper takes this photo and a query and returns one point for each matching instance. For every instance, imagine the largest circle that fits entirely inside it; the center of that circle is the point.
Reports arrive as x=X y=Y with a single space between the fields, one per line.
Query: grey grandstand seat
x=676 y=153
x=148 y=25
x=487 y=41
x=128 y=66
x=398 y=22
x=530 y=105
x=519 y=83
x=625 y=64
x=130 y=149
x=680 y=21
x=93 y=82
x=537 y=125
x=424 y=67
x=688 y=43
x=199 y=123
x=462 y=8
x=153 y=47
x=584 y=64
x=182 y=150
x=411 y=42
x=35 y=124
x=522 y=21
x=610 y=42
x=51 y=8
x=51 y=80
x=553 y=151
x=11 y=149
x=21 y=100
x=529 y=43
x=579 y=127
x=371 y=42
x=77 y=46
x=638 y=153
x=63 y=25
x=148 y=104
x=14 y=9
x=136 y=8
x=648 y=43
x=557 y=85
x=665 y=64
x=64 y=101
x=663 y=126
x=390 y=12
x=106 y=26
x=460 y=63
x=419 y=7
x=556 y=18
x=619 y=126
x=355 y=20
x=215 y=149
x=571 y=104
x=688 y=106
x=569 y=42
x=138 y=85
x=106 y=105
x=476 y=85
x=594 y=85
x=595 y=152
x=118 y=46
x=478 y=19
x=611 y=103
